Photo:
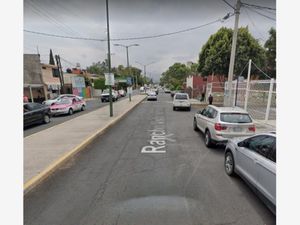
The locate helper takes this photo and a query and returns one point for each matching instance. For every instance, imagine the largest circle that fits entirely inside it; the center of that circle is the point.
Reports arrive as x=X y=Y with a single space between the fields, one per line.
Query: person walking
x=210 y=99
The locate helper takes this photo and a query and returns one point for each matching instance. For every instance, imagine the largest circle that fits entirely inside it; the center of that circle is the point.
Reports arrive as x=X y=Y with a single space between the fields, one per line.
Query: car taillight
x=220 y=127
x=252 y=128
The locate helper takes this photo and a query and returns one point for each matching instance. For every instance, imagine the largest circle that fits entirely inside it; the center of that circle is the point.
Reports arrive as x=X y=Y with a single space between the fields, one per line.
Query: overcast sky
x=134 y=18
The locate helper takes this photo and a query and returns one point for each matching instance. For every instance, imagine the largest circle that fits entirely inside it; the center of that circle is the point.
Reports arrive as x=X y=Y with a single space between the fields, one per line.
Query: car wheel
x=189 y=108
x=82 y=107
x=46 y=118
x=70 y=111
x=207 y=139
x=195 y=125
x=174 y=108
x=102 y=100
x=229 y=164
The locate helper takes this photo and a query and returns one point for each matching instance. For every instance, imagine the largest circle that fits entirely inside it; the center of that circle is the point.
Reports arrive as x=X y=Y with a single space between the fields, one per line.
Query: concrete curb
x=38 y=179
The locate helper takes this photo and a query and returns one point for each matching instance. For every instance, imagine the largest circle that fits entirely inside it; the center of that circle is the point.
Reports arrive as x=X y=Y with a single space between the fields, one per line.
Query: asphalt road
x=90 y=106
x=114 y=182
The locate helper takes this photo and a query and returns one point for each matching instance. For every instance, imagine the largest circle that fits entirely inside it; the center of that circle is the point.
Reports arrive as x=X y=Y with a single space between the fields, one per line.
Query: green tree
x=175 y=76
x=51 y=59
x=99 y=84
x=215 y=54
x=270 y=46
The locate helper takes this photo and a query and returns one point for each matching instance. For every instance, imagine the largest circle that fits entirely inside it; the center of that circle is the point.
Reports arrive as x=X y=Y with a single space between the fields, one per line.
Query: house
x=33 y=86
x=51 y=80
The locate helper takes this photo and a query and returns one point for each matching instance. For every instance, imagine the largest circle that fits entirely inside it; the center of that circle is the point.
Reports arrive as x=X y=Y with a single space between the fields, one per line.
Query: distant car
x=142 y=90
x=221 y=123
x=105 y=96
x=181 y=101
x=151 y=96
x=68 y=106
x=122 y=93
x=167 y=90
x=35 y=113
x=254 y=159
x=58 y=98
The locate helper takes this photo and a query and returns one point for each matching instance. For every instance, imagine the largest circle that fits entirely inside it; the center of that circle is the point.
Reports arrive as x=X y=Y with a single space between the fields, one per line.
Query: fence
x=259 y=99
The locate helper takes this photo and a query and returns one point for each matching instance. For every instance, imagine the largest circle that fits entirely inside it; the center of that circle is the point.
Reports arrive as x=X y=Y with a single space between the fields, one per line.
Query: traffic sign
x=109 y=79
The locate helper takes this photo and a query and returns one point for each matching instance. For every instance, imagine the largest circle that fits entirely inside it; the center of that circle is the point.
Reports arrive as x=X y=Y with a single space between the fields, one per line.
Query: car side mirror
x=244 y=144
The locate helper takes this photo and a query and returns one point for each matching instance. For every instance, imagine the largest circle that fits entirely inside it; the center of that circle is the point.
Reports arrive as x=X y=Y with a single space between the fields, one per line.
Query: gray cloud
x=130 y=18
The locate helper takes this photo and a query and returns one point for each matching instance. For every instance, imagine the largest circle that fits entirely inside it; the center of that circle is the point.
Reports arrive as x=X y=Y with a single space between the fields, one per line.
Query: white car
x=151 y=95
x=222 y=123
x=58 y=98
x=181 y=101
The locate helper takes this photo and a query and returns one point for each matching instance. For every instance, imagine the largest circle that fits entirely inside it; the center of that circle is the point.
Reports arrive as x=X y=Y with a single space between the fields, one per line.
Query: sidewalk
x=265 y=126
x=46 y=150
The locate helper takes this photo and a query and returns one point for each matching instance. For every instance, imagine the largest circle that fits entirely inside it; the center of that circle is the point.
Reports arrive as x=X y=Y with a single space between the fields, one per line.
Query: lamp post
x=127 y=55
x=145 y=65
x=108 y=59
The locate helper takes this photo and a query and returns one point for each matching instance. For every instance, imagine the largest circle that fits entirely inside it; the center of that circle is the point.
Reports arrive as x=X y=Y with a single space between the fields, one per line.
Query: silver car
x=254 y=159
x=221 y=123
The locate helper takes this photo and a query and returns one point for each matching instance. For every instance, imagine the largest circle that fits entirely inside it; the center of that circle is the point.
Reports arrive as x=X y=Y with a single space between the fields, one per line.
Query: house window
x=55 y=72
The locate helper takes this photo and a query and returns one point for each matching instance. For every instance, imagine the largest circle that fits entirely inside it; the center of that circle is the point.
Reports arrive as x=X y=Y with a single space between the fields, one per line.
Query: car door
x=201 y=118
x=246 y=158
x=27 y=114
x=266 y=167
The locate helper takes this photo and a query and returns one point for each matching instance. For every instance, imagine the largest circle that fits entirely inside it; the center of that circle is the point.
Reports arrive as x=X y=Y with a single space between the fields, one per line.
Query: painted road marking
x=159 y=138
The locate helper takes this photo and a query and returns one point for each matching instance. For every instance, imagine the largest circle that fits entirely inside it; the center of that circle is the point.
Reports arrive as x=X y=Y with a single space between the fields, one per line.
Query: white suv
x=222 y=123
x=181 y=101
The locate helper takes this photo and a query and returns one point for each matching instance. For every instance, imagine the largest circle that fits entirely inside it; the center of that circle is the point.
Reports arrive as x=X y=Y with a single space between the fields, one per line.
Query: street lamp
x=128 y=46
x=145 y=65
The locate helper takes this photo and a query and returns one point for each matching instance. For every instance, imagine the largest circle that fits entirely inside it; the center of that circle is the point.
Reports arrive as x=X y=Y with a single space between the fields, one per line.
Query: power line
x=258 y=6
x=228 y=4
x=246 y=10
x=261 y=70
x=132 y=38
x=261 y=13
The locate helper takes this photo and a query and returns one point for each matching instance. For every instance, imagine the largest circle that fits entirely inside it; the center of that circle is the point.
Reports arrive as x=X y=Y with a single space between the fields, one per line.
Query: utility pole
x=109 y=63
x=61 y=75
x=233 y=49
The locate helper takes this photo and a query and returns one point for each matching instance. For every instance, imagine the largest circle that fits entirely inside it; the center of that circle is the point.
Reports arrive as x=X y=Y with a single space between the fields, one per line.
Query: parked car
x=254 y=159
x=151 y=95
x=58 y=98
x=68 y=106
x=181 y=101
x=105 y=96
x=167 y=90
x=221 y=123
x=122 y=93
x=35 y=113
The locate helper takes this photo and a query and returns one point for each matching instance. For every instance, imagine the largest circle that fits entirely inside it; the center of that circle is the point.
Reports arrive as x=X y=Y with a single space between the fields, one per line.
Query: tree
x=215 y=54
x=99 y=83
x=51 y=59
x=175 y=76
x=270 y=46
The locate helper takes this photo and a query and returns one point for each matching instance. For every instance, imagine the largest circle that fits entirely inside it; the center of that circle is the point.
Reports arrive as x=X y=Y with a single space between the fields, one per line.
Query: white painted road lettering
x=159 y=138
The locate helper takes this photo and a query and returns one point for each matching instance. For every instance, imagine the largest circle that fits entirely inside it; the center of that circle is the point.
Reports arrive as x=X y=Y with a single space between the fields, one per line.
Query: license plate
x=237 y=129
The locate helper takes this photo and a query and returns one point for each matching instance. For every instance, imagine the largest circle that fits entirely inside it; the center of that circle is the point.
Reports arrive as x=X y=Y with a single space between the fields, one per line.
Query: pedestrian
x=25 y=98
x=210 y=99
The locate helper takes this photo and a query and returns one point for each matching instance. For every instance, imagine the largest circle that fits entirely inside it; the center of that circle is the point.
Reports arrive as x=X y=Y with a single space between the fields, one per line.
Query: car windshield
x=64 y=101
x=235 y=118
x=183 y=97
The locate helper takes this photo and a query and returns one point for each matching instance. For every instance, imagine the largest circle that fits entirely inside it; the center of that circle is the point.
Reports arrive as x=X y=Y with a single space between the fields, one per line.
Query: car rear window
x=235 y=118
x=181 y=97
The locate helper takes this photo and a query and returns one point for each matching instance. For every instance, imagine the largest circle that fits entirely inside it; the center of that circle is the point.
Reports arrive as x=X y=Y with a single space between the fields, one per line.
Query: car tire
x=189 y=108
x=229 y=164
x=102 y=100
x=82 y=107
x=174 y=108
x=207 y=139
x=71 y=111
x=195 y=125
x=46 y=119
